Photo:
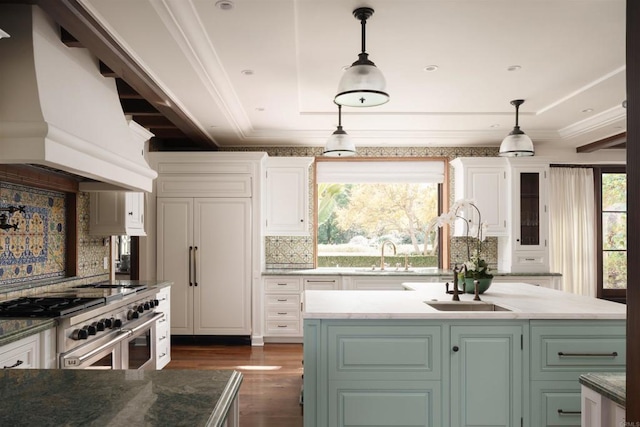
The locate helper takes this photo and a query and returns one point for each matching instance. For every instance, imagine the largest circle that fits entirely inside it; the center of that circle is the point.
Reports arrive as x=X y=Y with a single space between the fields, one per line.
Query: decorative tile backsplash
x=298 y=252
x=32 y=258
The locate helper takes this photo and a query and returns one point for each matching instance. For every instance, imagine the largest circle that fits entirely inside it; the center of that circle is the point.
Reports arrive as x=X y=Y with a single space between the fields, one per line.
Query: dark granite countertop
x=52 y=397
x=14 y=329
x=609 y=384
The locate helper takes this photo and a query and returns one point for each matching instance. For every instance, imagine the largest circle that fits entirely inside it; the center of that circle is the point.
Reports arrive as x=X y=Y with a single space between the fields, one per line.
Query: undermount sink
x=464 y=306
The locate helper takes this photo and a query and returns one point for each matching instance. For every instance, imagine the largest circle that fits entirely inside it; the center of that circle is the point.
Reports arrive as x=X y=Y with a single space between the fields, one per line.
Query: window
x=363 y=203
x=611 y=201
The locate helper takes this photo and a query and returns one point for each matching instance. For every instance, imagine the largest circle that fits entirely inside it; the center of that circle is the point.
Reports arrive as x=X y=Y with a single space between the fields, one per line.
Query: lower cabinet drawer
x=563 y=352
x=284 y=327
x=555 y=403
x=275 y=313
x=377 y=352
x=385 y=403
x=22 y=354
x=281 y=300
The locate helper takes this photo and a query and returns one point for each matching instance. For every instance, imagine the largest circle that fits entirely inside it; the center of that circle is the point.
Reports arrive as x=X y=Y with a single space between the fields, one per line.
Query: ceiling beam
x=89 y=33
x=615 y=141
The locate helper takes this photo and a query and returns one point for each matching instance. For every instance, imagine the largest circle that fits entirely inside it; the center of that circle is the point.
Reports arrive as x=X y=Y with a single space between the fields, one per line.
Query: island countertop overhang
x=523 y=301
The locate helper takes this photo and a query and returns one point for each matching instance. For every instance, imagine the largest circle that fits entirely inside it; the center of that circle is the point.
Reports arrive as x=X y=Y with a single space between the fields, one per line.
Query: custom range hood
x=57 y=110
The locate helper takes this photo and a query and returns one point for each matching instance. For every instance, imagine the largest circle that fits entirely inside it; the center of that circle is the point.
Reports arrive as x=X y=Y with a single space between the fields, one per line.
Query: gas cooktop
x=47 y=306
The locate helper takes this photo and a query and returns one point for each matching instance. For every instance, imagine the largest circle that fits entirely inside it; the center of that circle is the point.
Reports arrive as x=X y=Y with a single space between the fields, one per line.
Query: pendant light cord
x=339 y=116
x=363 y=22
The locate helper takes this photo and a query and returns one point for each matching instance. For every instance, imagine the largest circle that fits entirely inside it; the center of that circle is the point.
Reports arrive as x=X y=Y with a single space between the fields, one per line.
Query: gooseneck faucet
x=382 y=252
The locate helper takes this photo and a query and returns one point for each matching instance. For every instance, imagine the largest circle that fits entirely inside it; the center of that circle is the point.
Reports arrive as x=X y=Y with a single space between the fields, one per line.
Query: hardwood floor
x=270 y=390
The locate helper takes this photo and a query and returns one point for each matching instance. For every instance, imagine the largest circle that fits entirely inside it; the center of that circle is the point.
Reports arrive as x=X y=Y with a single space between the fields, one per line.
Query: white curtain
x=572 y=228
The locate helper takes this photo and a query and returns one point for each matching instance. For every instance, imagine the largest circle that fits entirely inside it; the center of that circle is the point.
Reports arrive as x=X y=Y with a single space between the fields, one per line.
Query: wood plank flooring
x=270 y=391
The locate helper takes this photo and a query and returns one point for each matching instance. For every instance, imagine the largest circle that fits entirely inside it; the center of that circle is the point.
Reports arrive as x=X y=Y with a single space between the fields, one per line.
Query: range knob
x=140 y=309
x=99 y=325
x=91 y=330
x=117 y=323
x=147 y=306
x=79 y=334
x=108 y=323
x=130 y=314
x=156 y=303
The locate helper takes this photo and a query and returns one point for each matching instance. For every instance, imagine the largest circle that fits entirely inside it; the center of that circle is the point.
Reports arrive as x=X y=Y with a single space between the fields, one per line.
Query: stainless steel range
x=100 y=326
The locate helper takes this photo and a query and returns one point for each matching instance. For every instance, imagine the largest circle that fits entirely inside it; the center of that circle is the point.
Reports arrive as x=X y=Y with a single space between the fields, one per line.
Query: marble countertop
x=523 y=301
x=390 y=271
x=52 y=397
x=609 y=384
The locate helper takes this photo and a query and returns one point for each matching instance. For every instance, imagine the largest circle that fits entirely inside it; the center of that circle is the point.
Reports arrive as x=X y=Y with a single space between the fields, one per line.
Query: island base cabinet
x=384 y=403
x=555 y=403
x=486 y=375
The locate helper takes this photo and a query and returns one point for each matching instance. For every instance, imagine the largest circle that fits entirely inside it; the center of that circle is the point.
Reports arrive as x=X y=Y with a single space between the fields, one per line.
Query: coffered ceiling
x=264 y=73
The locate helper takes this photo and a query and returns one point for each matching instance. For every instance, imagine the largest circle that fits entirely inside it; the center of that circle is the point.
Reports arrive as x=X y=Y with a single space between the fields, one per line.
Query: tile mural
x=33 y=258
x=298 y=252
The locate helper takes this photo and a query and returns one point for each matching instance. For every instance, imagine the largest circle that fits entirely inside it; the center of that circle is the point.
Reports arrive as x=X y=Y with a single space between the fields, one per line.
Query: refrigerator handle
x=189 y=260
x=195 y=272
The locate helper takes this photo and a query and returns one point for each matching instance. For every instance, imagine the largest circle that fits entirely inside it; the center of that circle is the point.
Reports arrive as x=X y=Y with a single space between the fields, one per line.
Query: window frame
x=618 y=295
x=443 y=198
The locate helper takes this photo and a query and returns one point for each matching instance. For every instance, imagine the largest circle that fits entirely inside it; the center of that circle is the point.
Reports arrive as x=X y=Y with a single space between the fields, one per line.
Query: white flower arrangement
x=476 y=267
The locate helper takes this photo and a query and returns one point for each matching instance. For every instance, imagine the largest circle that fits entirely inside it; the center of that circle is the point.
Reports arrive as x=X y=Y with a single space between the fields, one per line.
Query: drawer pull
x=612 y=354
x=18 y=363
x=282 y=326
x=529 y=259
x=561 y=412
x=164 y=337
x=162 y=355
x=282 y=300
x=282 y=313
x=282 y=284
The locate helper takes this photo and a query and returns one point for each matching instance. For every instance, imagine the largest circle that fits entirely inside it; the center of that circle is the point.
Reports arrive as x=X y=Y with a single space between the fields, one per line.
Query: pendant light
x=339 y=143
x=517 y=143
x=362 y=84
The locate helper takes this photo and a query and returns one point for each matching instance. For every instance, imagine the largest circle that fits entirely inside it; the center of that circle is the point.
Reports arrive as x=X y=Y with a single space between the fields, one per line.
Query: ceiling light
x=247 y=72
x=517 y=143
x=430 y=68
x=224 y=4
x=339 y=143
x=624 y=104
x=3 y=34
x=363 y=84
x=514 y=68
x=587 y=110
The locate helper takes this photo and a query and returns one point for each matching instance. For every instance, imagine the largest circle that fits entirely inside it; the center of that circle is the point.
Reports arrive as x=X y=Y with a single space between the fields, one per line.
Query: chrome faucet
x=382 y=252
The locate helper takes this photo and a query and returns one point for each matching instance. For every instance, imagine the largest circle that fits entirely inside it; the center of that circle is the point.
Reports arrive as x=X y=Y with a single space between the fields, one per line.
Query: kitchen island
x=389 y=358
x=119 y=397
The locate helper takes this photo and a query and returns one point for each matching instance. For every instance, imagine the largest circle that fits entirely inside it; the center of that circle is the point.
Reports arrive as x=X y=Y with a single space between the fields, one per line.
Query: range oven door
x=132 y=347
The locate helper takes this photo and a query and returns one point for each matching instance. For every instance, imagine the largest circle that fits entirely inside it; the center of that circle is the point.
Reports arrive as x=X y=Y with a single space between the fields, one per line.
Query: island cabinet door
x=486 y=376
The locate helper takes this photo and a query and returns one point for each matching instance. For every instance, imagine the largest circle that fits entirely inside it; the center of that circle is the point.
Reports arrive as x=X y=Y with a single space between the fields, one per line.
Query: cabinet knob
x=131 y=213
x=302 y=220
x=455 y=348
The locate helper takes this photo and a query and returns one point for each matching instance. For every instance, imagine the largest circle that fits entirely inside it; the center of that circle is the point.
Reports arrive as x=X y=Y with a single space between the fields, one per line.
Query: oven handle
x=143 y=325
x=71 y=361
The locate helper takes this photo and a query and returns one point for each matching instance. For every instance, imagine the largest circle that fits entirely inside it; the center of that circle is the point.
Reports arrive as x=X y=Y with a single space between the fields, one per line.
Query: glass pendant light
x=339 y=143
x=517 y=143
x=362 y=84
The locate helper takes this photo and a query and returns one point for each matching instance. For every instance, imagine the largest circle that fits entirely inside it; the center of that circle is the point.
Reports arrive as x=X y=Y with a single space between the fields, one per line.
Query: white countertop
x=525 y=302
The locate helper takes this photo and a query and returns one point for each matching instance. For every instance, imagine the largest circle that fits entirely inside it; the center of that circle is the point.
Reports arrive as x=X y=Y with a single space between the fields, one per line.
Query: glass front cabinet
x=527 y=247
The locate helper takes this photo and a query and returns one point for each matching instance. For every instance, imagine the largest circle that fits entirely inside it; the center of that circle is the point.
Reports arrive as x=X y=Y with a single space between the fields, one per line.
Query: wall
x=32 y=258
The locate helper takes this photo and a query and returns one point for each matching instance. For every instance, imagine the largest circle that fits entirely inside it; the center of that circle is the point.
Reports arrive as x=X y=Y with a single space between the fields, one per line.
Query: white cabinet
x=600 y=411
x=203 y=247
x=551 y=282
x=526 y=249
x=282 y=308
x=114 y=213
x=386 y=283
x=484 y=180
x=287 y=196
x=35 y=351
x=163 y=328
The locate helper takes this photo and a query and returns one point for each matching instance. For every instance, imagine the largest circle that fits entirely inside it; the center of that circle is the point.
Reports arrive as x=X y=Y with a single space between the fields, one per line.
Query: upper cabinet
x=287 y=196
x=527 y=249
x=483 y=180
x=115 y=213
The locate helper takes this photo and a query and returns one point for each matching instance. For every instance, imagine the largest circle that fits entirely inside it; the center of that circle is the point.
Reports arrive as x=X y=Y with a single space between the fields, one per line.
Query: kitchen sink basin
x=465 y=306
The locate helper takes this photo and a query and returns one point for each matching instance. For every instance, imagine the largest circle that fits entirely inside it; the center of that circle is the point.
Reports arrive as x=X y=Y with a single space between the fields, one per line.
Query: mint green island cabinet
x=387 y=358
